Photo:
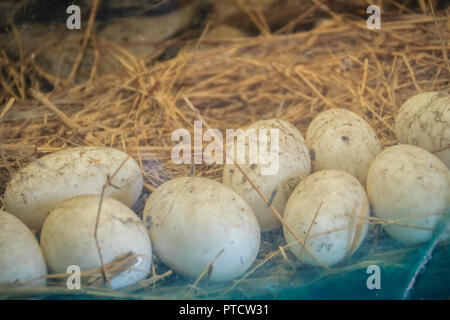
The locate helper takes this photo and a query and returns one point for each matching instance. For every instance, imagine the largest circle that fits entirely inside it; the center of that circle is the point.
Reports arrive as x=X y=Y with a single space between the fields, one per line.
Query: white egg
x=67 y=238
x=329 y=209
x=405 y=183
x=44 y=183
x=424 y=121
x=293 y=165
x=194 y=221
x=340 y=139
x=21 y=259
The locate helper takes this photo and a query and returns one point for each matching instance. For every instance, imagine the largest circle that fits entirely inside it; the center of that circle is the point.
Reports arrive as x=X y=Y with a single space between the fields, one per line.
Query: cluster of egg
x=324 y=191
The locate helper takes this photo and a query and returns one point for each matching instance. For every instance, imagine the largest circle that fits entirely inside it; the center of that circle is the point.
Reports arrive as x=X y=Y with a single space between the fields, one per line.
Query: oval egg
x=44 y=183
x=424 y=121
x=21 y=259
x=198 y=224
x=340 y=139
x=291 y=163
x=329 y=209
x=409 y=184
x=67 y=238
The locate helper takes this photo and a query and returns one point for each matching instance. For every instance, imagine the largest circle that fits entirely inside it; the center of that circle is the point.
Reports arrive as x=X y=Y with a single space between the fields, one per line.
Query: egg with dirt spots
x=329 y=209
x=340 y=139
x=410 y=188
x=67 y=238
x=45 y=182
x=287 y=162
x=199 y=225
x=424 y=121
x=21 y=259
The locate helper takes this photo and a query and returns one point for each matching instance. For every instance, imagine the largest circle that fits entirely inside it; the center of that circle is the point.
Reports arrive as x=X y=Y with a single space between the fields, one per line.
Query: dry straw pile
x=232 y=83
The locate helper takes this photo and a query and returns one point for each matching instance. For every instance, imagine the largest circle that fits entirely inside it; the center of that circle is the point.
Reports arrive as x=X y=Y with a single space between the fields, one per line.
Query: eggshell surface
x=21 y=259
x=46 y=182
x=329 y=210
x=404 y=183
x=424 y=121
x=197 y=224
x=340 y=139
x=67 y=238
x=294 y=164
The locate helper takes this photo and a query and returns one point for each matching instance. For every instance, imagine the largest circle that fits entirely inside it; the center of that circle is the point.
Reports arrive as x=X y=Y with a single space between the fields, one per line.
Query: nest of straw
x=232 y=83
